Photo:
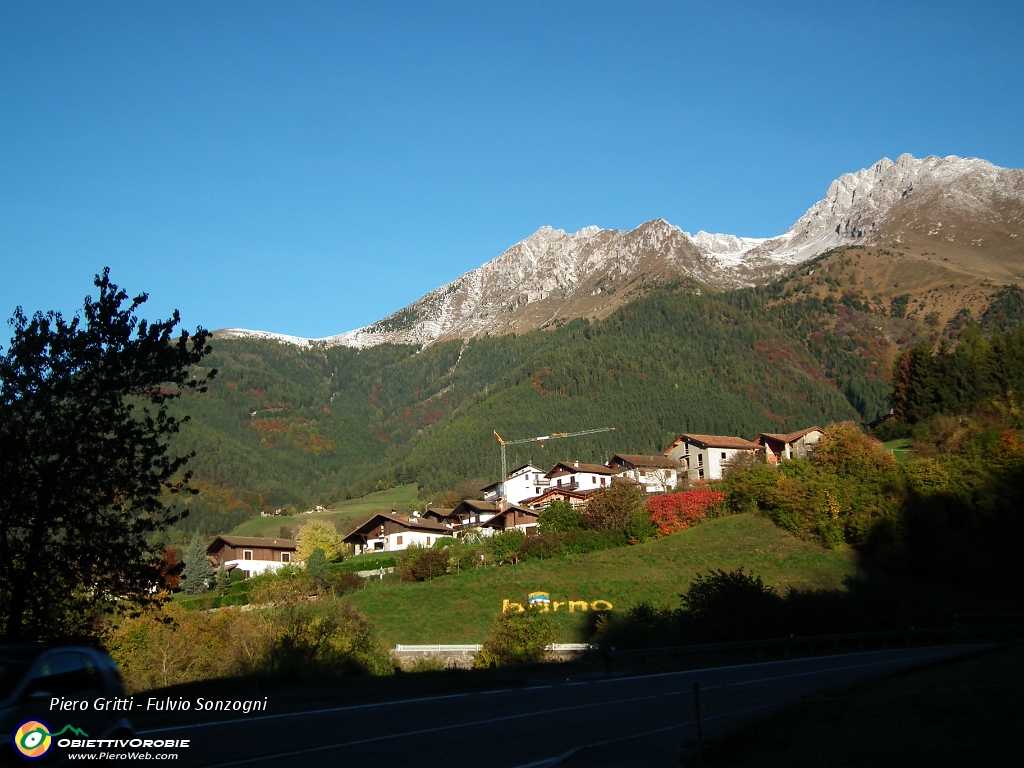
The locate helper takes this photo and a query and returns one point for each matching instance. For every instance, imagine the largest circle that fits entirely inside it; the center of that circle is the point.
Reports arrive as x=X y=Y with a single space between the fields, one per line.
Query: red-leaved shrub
x=673 y=512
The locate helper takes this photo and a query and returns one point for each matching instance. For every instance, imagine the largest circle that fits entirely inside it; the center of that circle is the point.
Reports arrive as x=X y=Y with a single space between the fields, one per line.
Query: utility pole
x=541 y=439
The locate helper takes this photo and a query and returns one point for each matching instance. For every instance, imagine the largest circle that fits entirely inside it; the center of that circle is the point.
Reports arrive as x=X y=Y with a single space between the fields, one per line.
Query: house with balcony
x=390 y=532
x=577 y=476
x=543 y=501
x=521 y=483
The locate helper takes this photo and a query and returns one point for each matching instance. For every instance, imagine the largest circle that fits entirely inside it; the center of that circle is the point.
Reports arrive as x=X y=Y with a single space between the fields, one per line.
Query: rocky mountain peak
x=553 y=276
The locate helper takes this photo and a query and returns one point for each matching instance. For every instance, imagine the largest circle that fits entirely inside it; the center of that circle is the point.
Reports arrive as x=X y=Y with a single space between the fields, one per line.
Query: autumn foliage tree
x=613 y=508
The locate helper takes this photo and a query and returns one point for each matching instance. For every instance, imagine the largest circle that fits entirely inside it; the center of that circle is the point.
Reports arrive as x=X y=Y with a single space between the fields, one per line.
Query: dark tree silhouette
x=85 y=459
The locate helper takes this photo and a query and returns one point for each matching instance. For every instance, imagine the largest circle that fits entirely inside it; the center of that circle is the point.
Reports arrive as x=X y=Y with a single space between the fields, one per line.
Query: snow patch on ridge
x=556 y=268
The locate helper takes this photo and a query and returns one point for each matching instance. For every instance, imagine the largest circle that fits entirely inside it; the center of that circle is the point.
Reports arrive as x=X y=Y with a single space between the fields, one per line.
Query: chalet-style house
x=543 y=501
x=389 y=532
x=705 y=457
x=656 y=474
x=522 y=483
x=474 y=512
x=524 y=520
x=439 y=515
x=795 y=445
x=252 y=556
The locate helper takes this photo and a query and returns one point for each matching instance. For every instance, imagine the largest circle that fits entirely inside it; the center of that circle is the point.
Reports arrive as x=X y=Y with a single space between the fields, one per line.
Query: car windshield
x=11 y=673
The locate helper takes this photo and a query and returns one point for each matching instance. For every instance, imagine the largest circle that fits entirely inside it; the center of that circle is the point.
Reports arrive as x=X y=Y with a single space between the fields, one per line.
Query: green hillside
x=460 y=609
x=345 y=514
x=286 y=428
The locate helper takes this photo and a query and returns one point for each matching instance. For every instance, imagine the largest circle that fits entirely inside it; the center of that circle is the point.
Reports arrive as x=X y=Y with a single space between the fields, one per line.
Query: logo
x=32 y=739
x=539 y=598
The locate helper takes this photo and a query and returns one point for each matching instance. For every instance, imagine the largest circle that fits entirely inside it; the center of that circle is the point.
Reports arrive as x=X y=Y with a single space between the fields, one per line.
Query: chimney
x=576 y=465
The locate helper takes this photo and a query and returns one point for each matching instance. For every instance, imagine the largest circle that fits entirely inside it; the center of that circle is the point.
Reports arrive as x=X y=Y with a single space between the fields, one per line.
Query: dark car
x=33 y=674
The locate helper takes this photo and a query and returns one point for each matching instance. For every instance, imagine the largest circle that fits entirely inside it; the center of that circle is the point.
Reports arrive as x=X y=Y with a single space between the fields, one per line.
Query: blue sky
x=308 y=168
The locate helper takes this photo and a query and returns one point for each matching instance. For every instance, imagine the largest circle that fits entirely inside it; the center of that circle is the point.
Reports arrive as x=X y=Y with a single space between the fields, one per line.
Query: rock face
x=967 y=207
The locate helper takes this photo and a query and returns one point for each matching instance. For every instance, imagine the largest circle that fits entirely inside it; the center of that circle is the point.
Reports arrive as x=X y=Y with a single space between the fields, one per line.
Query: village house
x=706 y=457
x=517 y=518
x=521 y=483
x=543 y=501
x=574 y=476
x=440 y=515
x=795 y=445
x=390 y=532
x=251 y=556
x=656 y=474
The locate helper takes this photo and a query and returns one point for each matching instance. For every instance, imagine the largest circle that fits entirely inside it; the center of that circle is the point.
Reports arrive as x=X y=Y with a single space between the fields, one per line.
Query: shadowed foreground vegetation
x=964 y=712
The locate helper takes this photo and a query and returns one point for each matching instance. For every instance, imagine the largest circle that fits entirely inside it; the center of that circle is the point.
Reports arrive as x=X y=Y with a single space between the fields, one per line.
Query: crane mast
x=542 y=439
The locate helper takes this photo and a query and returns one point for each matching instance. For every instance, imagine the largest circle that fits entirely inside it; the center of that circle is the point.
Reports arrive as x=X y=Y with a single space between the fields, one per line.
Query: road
x=638 y=720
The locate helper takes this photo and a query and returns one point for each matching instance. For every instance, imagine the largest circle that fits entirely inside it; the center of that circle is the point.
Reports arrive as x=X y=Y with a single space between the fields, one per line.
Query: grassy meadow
x=345 y=515
x=460 y=609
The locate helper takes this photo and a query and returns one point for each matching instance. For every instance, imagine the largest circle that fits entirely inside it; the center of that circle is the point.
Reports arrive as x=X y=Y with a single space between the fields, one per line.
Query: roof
x=791 y=436
x=564 y=491
x=493 y=522
x=479 y=505
x=716 y=441
x=413 y=523
x=252 y=541
x=513 y=472
x=637 y=460
x=574 y=467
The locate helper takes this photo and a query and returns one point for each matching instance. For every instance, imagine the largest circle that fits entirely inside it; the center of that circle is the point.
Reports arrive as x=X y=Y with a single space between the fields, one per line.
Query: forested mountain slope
x=287 y=425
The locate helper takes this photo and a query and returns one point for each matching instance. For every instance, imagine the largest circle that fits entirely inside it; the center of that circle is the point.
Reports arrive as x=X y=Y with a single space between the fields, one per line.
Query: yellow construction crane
x=541 y=439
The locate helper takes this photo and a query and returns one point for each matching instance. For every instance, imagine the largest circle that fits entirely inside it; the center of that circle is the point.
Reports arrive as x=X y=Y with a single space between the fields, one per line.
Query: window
x=428 y=541
x=286 y=557
x=723 y=454
x=593 y=479
x=65 y=674
x=700 y=474
x=247 y=554
x=246 y=574
x=603 y=479
x=398 y=541
x=537 y=491
x=700 y=462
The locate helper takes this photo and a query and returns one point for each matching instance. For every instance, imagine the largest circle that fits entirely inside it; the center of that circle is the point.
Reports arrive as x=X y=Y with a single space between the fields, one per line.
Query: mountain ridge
x=553 y=276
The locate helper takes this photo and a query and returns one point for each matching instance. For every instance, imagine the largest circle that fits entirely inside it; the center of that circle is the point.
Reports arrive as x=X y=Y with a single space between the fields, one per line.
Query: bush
x=560 y=516
x=419 y=564
x=463 y=558
x=504 y=547
x=640 y=529
x=672 y=512
x=516 y=638
x=724 y=607
x=613 y=508
x=547 y=545
x=368 y=562
x=169 y=646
